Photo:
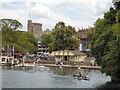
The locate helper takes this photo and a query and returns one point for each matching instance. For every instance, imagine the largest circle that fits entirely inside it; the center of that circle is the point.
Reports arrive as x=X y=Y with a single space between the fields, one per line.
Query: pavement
x=69 y=66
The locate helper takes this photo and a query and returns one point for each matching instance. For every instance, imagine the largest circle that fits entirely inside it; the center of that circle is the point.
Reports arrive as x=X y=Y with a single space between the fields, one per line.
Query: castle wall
x=35 y=29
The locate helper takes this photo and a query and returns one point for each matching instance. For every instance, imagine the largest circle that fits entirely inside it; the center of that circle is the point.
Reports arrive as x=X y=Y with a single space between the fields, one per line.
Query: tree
x=11 y=36
x=118 y=17
x=60 y=25
x=61 y=38
x=10 y=24
x=46 y=41
x=110 y=16
x=117 y=5
x=64 y=37
x=32 y=39
x=106 y=42
x=25 y=41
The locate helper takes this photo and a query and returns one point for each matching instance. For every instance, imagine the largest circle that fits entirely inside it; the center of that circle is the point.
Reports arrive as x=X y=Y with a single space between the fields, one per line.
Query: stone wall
x=35 y=29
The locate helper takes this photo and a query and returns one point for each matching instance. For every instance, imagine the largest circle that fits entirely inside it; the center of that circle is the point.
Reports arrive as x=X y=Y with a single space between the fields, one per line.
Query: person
x=92 y=62
x=34 y=62
x=24 y=57
x=38 y=59
x=56 y=61
x=79 y=68
x=61 y=62
x=17 y=61
x=80 y=74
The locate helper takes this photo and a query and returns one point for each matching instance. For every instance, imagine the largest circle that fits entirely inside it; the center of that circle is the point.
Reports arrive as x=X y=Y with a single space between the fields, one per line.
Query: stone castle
x=35 y=29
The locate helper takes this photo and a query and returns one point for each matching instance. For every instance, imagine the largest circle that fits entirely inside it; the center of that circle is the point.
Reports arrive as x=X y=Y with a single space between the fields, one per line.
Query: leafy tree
x=118 y=17
x=64 y=37
x=46 y=39
x=61 y=38
x=26 y=41
x=32 y=39
x=60 y=25
x=110 y=17
x=20 y=39
x=10 y=24
x=106 y=42
x=117 y=5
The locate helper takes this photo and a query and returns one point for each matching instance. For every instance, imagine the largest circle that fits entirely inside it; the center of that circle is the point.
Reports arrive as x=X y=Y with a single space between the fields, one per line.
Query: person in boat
x=80 y=75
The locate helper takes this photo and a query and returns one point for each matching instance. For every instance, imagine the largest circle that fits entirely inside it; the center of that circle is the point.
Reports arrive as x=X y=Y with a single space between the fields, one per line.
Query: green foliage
x=117 y=6
x=32 y=39
x=10 y=24
x=118 y=17
x=20 y=39
x=60 y=25
x=61 y=38
x=110 y=16
x=105 y=42
x=27 y=41
x=65 y=38
x=47 y=41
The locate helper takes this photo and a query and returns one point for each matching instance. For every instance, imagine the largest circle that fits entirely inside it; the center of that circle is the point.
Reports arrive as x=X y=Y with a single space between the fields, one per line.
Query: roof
x=77 y=52
x=68 y=53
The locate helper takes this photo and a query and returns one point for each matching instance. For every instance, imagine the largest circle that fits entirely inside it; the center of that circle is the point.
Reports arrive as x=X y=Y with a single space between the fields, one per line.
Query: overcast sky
x=77 y=13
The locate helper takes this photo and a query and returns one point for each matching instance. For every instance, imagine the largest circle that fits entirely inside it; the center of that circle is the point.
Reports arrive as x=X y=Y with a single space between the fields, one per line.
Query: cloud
x=13 y=5
x=101 y=8
x=50 y=16
x=40 y=10
x=78 y=13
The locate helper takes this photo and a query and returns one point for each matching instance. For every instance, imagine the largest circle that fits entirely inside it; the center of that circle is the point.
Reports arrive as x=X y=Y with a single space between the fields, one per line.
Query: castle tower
x=29 y=26
x=35 y=29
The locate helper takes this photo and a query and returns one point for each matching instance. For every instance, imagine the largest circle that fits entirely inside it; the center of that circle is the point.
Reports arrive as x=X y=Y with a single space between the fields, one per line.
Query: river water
x=50 y=77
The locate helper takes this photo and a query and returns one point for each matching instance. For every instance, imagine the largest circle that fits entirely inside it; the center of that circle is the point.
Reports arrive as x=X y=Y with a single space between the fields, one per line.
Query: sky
x=77 y=13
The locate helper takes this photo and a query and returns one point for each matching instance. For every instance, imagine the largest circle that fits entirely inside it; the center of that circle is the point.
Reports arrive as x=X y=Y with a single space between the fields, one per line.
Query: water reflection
x=16 y=68
x=50 y=77
x=63 y=71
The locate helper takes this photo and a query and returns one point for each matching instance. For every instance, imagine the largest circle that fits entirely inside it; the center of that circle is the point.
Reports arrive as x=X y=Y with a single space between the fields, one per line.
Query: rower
x=80 y=74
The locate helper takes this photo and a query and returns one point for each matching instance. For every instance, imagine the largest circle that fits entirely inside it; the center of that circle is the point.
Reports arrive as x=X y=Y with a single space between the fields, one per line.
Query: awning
x=62 y=53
